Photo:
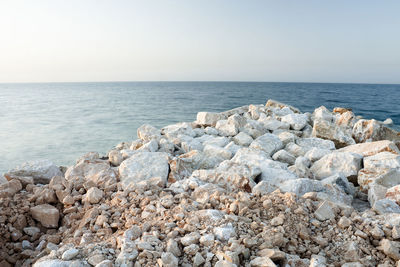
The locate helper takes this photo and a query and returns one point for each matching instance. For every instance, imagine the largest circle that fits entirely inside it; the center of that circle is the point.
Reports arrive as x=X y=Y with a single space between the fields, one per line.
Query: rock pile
x=259 y=185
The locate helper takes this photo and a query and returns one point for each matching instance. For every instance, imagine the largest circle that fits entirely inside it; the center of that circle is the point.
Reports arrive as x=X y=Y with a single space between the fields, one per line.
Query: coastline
x=257 y=185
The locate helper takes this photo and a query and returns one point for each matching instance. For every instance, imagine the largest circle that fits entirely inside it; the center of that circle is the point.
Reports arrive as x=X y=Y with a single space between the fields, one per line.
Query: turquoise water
x=61 y=121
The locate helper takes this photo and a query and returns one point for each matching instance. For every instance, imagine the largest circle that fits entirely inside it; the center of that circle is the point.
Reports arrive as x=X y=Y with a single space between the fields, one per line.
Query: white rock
x=169 y=260
x=275 y=104
x=147 y=132
x=94 y=195
x=340 y=181
x=225 y=128
x=211 y=130
x=46 y=214
x=324 y=212
x=242 y=139
x=192 y=238
x=220 y=141
x=384 y=177
x=375 y=193
x=287 y=137
x=315 y=153
x=345 y=163
x=232 y=147
x=284 y=156
x=317 y=261
x=208 y=118
x=41 y=171
x=296 y=150
x=273 y=124
x=385 y=205
x=143 y=166
x=182 y=128
x=52 y=263
x=301 y=186
x=216 y=151
x=315 y=142
x=268 y=143
x=296 y=121
x=69 y=254
x=262 y=262
x=207 y=240
x=372 y=148
x=224 y=233
x=382 y=160
x=388 y=121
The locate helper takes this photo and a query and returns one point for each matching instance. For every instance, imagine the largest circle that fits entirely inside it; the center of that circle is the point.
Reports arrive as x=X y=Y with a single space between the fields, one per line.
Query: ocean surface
x=61 y=121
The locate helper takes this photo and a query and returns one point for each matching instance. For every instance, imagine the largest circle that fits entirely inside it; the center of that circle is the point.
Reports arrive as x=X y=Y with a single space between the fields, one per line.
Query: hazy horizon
x=257 y=41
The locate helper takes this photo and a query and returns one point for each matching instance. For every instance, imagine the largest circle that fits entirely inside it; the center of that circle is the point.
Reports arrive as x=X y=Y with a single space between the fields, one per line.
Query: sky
x=205 y=40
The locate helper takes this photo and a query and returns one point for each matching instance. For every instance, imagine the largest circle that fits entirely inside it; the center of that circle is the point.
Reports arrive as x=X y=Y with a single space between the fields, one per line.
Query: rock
x=382 y=160
x=393 y=193
x=317 y=261
x=315 y=154
x=384 y=177
x=224 y=233
x=105 y=263
x=375 y=193
x=284 y=156
x=147 y=132
x=301 y=186
x=268 y=143
x=224 y=263
x=198 y=260
x=372 y=130
x=273 y=254
x=179 y=129
x=31 y=231
x=216 y=151
x=172 y=247
x=296 y=121
x=352 y=251
x=242 y=139
x=69 y=254
x=225 y=128
x=344 y=222
x=52 y=263
x=324 y=212
x=169 y=260
x=208 y=118
x=346 y=163
x=341 y=181
x=372 y=148
x=41 y=171
x=115 y=157
x=325 y=127
x=275 y=104
x=192 y=238
x=390 y=248
x=10 y=188
x=143 y=166
x=302 y=165
x=313 y=142
x=385 y=205
x=207 y=240
x=94 y=195
x=262 y=262
x=46 y=214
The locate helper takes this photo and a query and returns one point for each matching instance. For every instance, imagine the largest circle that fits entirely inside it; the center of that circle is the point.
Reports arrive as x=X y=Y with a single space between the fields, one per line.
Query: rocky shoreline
x=259 y=185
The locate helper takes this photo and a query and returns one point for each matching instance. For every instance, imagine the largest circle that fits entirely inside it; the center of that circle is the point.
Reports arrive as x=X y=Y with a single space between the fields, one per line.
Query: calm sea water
x=61 y=121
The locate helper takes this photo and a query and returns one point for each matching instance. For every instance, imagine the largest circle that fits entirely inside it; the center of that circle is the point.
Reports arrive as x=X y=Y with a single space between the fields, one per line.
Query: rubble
x=260 y=185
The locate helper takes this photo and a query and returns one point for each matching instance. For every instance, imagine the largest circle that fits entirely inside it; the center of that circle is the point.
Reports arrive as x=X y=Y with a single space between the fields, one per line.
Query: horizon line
x=194 y=81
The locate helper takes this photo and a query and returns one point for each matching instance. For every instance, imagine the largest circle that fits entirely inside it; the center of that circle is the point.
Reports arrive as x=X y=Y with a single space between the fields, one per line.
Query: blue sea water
x=61 y=121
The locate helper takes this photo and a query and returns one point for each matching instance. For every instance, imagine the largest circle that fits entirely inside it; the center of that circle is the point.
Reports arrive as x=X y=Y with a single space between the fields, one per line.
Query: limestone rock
x=242 y=139
x=69 y=254
x=52 y=263
x=94 y=195
x=276 y=104
x=143 y=166
x=46 y=214
x=384 y=177
x=208 y=118
x=284 y=156
x=376 y=192
x=372 y=148
x=147 y=132
x=296 y=121
x=386 y=205
x=262 y=262
x=315 y=154
x=313 y=142
x=10 y=188
x=169 y=260
x=390 y=248
x=268 y=143
x=372 y=130
x=226 y=128
x=41 y=171
x=382 y=160
x=324 y=211
x=346 y=163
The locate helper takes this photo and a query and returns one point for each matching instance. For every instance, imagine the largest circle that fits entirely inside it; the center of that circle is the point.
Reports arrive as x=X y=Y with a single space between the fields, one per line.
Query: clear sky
x=203 y=40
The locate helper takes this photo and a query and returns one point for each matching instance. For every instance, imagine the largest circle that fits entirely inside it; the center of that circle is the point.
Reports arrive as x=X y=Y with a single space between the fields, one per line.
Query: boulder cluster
x=257 y=186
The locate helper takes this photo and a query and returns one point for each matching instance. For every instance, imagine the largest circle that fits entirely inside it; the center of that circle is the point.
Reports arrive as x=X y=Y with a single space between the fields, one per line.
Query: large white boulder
x=314 y=142
x=182 y=128
x=301 y=186
x=372 y=130
x=242 y=139
x=268 y=143
x=226 y=128
x=372 y=148
x=382 y=160
x=208 y=118
x=142 y=166
x=384 y=177
x=345 y=163
x=276 y=104
x=41 y=171
x=147 y=132
x=296 y=121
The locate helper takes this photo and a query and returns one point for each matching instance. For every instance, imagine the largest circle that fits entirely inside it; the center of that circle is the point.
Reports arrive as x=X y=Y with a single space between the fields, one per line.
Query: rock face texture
x=258 y=185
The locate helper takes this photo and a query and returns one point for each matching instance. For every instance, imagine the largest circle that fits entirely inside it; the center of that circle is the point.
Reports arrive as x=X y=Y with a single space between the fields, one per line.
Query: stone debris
x=259 y=185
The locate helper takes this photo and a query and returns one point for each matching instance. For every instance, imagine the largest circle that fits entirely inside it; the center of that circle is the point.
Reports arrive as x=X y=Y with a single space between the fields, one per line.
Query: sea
x=62 y=121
